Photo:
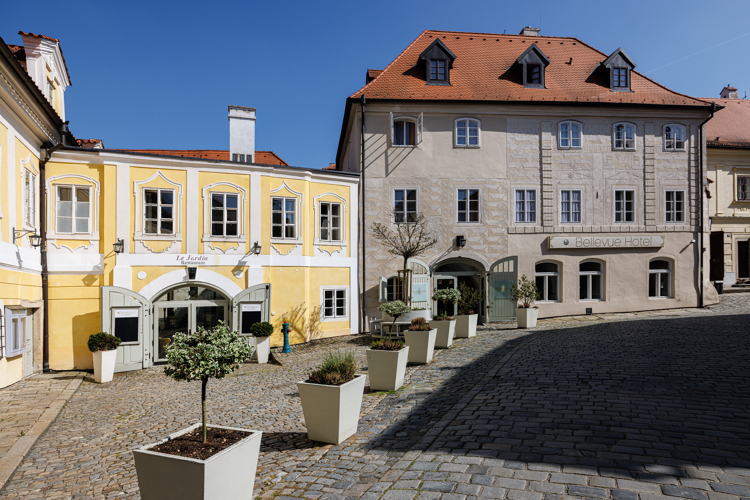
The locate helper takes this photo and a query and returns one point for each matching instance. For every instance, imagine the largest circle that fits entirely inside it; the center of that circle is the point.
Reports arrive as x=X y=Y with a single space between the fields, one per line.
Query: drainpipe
x=362 y=227
x=702 y=189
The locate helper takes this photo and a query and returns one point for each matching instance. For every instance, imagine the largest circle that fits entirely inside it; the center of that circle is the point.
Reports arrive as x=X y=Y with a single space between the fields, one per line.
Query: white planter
x=104 y=365
x=526 y=317
x=332 y=411
x=466 y=325
x=228 y=474
x=445 y=332
x=421 y=345
x=262 y=349
x=387 y=368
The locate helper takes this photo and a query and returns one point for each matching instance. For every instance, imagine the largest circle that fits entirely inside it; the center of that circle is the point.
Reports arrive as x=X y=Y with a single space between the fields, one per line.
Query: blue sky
x=160 y=74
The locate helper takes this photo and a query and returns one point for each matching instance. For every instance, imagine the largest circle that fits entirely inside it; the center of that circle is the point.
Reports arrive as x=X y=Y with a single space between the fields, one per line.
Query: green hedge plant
x=525 y=291
x=103 y=341
x=337 y=368
x=263 y=329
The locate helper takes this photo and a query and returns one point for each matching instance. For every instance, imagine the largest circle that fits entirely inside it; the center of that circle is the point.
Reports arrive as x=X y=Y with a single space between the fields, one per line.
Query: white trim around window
x=570 y=135
x=624 y=203
x=334 y=303
x=409 y=206
x=623 y=136
x=94 y=194
x=283 y=222
x=660 y=284
x=525 y=205
x=741 y=185
x=570 y=206
x=29 y=199
x=214 y=189
x=674 y=137
x=15 y=332
x=72 y=209
x=403 y=137
x=468 y=206
x=547 y=278
x=591 y=281
x=467 y=133
x=139 y=188
x=675 y=208
x=343 y=214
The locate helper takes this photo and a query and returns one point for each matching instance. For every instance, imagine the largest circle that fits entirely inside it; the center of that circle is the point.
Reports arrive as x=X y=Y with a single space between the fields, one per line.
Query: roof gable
x=533 y=55
x=437 y=50
x=618 y=59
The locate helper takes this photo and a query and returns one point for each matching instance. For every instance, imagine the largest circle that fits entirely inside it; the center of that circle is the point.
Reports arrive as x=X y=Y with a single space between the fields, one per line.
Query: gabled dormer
x=46 y=67
x=619 y=65
x=438 y=61
x=533 y=63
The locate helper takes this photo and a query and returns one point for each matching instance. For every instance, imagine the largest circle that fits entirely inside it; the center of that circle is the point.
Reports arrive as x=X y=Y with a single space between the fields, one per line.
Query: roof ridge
x=501 y=34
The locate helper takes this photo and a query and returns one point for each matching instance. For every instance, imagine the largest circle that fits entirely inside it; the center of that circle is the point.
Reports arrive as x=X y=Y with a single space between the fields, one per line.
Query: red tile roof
x=730 y=126
x=261 y=157
x=90 y=143
x=485 y=70
x=24 y=33
x=19 y=53
x=331 y=166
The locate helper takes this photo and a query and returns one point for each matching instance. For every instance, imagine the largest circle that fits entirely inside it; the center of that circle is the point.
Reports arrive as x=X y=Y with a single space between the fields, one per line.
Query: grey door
x=500 y=303
x=127 y=315
x=251 y=305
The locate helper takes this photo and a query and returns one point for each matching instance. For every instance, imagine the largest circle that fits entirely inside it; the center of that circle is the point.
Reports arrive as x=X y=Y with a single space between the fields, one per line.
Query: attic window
x=437 y=70
x=437 y=59
x=534 y=74
x=620 y=77
x=619 y=65
x=533 y=62
x=241 y=158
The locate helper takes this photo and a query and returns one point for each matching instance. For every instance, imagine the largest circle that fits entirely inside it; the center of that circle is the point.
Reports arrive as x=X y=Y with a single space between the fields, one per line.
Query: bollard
x=285 y=331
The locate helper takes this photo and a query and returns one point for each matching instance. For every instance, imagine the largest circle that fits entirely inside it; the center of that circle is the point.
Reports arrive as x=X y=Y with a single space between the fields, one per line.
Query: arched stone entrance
x=455 y=273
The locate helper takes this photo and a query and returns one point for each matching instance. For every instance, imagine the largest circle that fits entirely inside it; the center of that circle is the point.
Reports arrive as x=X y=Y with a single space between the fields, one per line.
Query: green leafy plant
x=206 y=354
x=446 y=296
x=263 y=329
x=337 y=368
x=394 y=310
x=525 y=291
x=419 y=325
x=470 y=298
x=387 y=345
x=103 y=341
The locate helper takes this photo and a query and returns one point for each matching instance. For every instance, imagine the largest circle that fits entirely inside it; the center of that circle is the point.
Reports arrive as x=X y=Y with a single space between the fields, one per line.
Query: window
x=570 y=135
x=468 y=205
x=590 y=277
x=394 y=290
x=15 y=333
x=620 y=77
x=674 y=137
x=659 y=278
x=675 y=206
x=405 y=205
x=437 y=69
x=330 y=221
x=224 y=214
x=334 y=304
x=570 y=206
x=624 y=136
x=159 y=211
x=283 y=218
x=525 y=205
x=534 y=73
x=467 y=132
x=743 y=188
x=547 y=281
x=405 y=133
x=51 y=93
x=624 y=205
x=73 y=209
x=29 y=190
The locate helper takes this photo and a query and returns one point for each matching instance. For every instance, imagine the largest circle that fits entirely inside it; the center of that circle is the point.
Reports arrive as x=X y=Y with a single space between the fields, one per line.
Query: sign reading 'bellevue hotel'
x=606 y=242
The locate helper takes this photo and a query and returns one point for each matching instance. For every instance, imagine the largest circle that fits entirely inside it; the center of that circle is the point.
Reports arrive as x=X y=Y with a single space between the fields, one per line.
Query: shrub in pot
x=443 y=323
x=262 y=333
x=386 y=364
x=332 y=398
x=420 y=339
x=104 y=346
x=202 y=461
x=525 y=292
x=394 y=309
x=466 y=320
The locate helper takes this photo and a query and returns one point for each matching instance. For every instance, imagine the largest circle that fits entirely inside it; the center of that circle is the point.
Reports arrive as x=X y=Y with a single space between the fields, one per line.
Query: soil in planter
x=190 y=445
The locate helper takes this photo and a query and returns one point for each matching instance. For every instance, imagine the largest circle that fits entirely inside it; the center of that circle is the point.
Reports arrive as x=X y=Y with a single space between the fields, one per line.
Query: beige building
x=728 y=141
x=536 y=156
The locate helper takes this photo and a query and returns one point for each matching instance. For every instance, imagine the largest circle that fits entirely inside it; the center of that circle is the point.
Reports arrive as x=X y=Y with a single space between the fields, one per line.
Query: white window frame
x=468 y=211
x=330 y=222
x=73 y=188
x=468 y=122
x=224 y=221
x=546 y=275
x=742 y=179
x=667 y=207
x=66 y=179
x=241 y=193
x=284 y=225
x=11 y=321
x=418 y=121
x=675 y=128
x=661 y=273
x=29 y=199
x=526 y=205
x=158 y=212
x=588 y=275
x=624 y=211
x=406 y=212
x=625 y=126
x=334 y=289
x=569 y=135
x=571 y=212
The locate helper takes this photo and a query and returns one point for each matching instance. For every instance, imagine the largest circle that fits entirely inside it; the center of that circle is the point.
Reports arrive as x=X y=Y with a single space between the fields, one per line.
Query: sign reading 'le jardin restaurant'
x=606 y=242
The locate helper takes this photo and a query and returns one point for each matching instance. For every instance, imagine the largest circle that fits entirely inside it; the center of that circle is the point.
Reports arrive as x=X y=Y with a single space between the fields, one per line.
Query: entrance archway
x=455 y=273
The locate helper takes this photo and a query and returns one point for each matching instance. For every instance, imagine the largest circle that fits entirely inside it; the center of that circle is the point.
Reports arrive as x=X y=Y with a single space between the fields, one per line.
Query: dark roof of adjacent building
x=730 y=126
x=261 y=157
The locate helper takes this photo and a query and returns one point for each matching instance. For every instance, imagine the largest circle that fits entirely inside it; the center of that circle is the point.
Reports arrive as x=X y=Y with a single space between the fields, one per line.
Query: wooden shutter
x=383 y=289
x=392 y=129
x=419 y=129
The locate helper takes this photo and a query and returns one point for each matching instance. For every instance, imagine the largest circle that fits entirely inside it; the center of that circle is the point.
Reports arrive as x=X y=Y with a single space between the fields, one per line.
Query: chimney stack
x=529 y=31
x=729 y=92
x=241 y=134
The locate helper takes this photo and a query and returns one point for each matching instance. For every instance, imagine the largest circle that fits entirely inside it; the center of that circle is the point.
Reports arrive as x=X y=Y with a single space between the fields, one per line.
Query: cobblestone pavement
x=648 y=406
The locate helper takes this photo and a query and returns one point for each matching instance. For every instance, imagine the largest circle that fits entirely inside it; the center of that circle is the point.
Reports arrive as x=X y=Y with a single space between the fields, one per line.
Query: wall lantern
x=191 y=272
x=460 y=241
x=34 y=238
x=119 y=247
x=255 y=248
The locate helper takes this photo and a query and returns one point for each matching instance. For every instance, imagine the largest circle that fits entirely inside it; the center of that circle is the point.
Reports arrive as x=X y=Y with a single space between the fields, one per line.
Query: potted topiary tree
x=420 y=339
x=466 y=320
x=262 y=333
x=444 y=323
x=332 y=398
x=526 y=292
x=104 y=346
x=394 y=310
x=202 y=461
x=386 y=364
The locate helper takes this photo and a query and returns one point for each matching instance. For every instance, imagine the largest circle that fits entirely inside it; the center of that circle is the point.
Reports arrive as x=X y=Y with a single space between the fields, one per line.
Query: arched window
x=547 y=276
x=624 y=136
x=467 y=132
x=659 y=279
x=569 y=135
x=406 y=130
x=590 y=277
x=674 y=137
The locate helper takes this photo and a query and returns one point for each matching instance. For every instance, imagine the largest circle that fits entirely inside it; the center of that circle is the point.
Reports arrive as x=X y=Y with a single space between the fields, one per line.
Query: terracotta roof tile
x=331 y=166
x=261 y=157
x=90 y=143
x=19 y=53
x=24 y=33
x=485 y=70
x=730 y=126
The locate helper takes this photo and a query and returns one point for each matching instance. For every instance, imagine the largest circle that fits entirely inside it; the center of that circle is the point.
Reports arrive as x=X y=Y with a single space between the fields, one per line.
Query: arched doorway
x=458 y=273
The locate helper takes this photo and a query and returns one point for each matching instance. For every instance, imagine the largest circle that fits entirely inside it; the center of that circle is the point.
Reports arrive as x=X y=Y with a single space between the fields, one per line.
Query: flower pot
x=104 y=365
x=331 y=411
x=445 y=332
x=526 y=317
x=228 y=474
x=387 y=368
x=421 y=346
x=262 y=349
x=466 y=325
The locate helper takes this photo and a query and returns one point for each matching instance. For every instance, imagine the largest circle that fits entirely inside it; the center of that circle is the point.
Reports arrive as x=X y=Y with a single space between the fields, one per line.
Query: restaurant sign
x=579 y=242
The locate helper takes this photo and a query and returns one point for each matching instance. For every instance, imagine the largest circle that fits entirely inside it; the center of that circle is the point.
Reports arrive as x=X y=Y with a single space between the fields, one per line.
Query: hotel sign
x=624 y=241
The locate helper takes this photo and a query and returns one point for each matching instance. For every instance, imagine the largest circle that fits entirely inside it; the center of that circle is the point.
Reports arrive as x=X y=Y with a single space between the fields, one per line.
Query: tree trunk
x=204 y=383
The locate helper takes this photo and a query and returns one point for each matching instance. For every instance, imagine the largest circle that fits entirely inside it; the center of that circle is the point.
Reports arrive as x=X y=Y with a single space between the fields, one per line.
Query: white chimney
x=529 y=31
x=241 y=134
x=729 y=92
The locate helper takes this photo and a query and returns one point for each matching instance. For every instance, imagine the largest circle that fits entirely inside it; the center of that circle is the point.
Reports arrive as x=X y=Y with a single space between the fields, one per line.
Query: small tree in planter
x=445 y=324
x=104 y=346
x=394 y=310
x=386 y=364
x=262 y=332
x=466 y=321
x=332 y=398
x=526 y=292
x=420 y=339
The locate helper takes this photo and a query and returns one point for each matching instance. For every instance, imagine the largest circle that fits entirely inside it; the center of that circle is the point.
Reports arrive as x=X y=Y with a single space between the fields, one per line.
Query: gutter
x=701 y=135
x=362 y=226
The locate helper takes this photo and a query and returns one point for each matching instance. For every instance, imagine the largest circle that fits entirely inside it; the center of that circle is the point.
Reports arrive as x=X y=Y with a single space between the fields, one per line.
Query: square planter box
x=421 y=346
x=526 y=317
x=445 y=332
x=387 y=368
x=104 y=366
x=466 y=325
x=228 y=474
x=262 y=349
x=332 y=411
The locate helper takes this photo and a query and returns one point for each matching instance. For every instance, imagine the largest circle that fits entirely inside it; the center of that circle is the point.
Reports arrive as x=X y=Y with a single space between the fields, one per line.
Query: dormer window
x=438 y=60
x=533 y=61
x=620 y=77
x=534 y=73
x=619 y=65
x=437 y=70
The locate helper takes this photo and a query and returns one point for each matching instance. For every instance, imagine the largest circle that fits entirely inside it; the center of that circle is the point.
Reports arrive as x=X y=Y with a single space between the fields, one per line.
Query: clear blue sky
x=160 y=74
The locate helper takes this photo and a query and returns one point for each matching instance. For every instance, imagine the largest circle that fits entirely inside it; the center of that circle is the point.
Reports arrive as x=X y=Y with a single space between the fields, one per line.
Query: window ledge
x=233 y=239
x=660 y=298
x=157 y=237
x=576 y=148
x=592 y=300
x=327 y=320
x=341 y=243
x=415 y=146
x=665 y=150
x=460 y=146
x=73 y=236
x=629 y=150
x=286 y=241
x=444 y=84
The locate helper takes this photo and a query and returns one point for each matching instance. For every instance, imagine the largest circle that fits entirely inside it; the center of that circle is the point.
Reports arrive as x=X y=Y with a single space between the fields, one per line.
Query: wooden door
x=500 y=303
x=716 y=269
x=127 y=315
x=743 y=259
x=251 y=305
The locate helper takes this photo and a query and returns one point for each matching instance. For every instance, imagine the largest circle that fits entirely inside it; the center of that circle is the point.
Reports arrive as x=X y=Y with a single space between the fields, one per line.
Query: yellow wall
x=5 y=160
x=74 y=314
x=177 y=176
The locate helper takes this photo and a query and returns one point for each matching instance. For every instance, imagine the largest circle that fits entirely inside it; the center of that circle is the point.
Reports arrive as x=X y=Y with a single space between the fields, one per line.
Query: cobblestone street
x=637 y=406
